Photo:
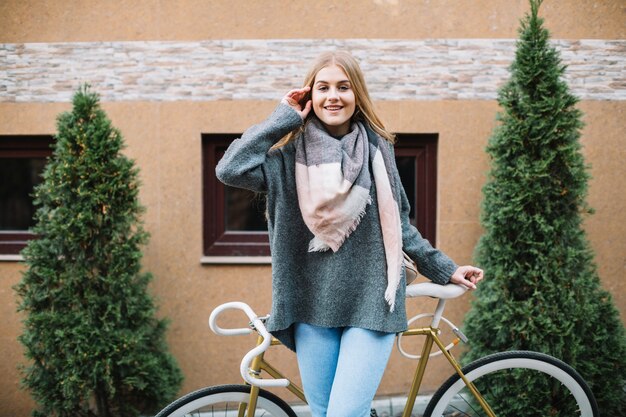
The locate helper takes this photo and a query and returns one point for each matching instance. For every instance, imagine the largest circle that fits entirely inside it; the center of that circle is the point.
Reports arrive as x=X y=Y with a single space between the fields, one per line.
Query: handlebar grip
x=249 y=357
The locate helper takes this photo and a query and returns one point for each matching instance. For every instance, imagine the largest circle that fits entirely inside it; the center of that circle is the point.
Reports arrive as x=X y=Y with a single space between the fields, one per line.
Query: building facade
x=181 y=79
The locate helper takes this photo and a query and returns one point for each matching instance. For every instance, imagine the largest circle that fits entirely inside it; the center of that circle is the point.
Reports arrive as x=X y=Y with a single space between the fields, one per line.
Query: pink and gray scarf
x=333 y=180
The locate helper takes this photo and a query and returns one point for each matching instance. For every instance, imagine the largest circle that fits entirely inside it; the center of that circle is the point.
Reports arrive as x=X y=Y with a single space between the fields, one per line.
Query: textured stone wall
x=435 y=69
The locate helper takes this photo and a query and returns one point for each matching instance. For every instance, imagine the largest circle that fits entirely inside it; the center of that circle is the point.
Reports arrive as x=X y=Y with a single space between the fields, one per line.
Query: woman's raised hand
x=292 y=99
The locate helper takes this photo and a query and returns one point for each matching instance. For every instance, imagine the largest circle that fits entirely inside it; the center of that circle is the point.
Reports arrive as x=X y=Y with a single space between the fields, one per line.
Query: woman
x=338 y=223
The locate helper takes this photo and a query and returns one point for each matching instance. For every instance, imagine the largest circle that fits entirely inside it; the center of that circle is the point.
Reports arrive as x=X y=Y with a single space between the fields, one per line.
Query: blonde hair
x=364 y=110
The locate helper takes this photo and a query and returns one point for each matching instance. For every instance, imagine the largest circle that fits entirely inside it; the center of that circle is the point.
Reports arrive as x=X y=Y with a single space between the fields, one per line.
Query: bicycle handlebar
x=227 y=306
x=430 y=289
x=442 y=292
x=244 y=369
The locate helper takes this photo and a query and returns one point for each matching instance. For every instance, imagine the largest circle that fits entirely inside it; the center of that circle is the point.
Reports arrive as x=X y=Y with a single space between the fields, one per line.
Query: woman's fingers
x=301 y=91
x=477 y=274
x=467 y=276
x=466 y=283
x=459 y=278
x=297 y=94
x=306 y=110
x=293 y=98
x=291 y=101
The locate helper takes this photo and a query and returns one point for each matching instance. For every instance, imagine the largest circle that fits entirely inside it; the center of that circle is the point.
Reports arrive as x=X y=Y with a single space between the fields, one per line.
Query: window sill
x=11 y=258
x=205 y=260
x=238 y=260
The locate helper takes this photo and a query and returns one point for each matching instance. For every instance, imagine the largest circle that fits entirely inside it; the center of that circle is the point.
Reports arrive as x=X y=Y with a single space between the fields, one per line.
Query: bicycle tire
x=565 y=393
x=213 y=401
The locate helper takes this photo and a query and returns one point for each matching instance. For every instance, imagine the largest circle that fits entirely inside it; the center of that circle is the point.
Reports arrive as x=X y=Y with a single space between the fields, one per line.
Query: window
x=416 y=158
x=22 y=159
x=234 y=219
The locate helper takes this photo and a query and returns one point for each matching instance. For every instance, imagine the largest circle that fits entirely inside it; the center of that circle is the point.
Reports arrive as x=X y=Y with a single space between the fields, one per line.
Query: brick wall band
x=435 y=69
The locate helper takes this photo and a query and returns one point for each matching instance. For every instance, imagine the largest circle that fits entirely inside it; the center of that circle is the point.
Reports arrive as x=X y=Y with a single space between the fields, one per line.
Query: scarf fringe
x=318 y=245
x=390 y=292
x=357 y=219
x=390 y=297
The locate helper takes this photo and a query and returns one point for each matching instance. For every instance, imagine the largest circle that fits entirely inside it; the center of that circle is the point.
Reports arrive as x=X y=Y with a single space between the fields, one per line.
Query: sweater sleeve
x=431 y=262
x=243 y=162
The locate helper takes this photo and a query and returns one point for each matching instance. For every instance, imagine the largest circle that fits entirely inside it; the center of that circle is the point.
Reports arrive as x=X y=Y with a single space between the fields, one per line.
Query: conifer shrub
x=542 y=290
x=93 y=342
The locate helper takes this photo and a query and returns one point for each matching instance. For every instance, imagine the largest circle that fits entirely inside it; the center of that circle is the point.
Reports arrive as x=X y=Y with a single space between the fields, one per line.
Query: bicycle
x=468 y=392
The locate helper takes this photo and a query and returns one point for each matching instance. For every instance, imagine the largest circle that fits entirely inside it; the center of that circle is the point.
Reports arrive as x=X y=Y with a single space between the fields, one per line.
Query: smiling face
x=333 y=100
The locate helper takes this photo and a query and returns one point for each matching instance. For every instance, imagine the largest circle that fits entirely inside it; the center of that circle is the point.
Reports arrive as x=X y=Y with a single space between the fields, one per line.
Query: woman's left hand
x=468 y=276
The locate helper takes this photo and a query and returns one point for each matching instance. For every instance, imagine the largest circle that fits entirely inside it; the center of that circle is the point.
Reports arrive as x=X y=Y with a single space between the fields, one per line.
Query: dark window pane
x=19 y=177
x=244 y=211
x=407 y=171
x=416 y=157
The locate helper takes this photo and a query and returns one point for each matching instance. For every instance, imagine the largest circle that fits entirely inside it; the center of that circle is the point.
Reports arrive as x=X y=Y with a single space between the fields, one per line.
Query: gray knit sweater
x=340 y=289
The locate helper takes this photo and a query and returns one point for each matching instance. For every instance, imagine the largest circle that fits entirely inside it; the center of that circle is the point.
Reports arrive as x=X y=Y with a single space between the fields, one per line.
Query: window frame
x=21 y=146
x=222 y=246
x=217 y=241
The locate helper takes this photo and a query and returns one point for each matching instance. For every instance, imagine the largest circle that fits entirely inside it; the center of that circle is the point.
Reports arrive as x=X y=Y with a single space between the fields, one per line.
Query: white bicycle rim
x=232 y=396
x=525 y=363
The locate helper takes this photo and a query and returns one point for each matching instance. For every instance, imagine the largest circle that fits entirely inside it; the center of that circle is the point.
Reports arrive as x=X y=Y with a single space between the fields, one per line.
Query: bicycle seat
x=430 y=289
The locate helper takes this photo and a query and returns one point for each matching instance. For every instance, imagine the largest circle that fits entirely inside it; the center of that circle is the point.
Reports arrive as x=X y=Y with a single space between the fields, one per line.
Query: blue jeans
x=341 y=368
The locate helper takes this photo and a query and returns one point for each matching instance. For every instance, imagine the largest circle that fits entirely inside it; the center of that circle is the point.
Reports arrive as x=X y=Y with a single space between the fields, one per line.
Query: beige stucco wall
x=75 y=20
x=164 y=138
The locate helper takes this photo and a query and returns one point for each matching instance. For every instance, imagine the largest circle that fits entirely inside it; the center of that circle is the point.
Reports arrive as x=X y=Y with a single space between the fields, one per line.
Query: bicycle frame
x=259 y=364
x=432 y=336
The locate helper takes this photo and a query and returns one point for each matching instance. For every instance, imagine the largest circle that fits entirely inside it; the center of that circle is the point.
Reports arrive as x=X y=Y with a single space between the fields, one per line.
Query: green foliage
x=542 y=291
x=90 y=332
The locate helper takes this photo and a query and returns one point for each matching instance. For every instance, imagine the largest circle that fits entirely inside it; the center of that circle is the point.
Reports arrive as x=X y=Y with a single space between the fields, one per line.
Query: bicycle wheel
x=224 y=401
x=516 y=384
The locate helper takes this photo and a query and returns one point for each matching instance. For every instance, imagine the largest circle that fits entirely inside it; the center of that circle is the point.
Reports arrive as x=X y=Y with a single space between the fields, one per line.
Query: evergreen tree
x=542 y=291
x=90 y=332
